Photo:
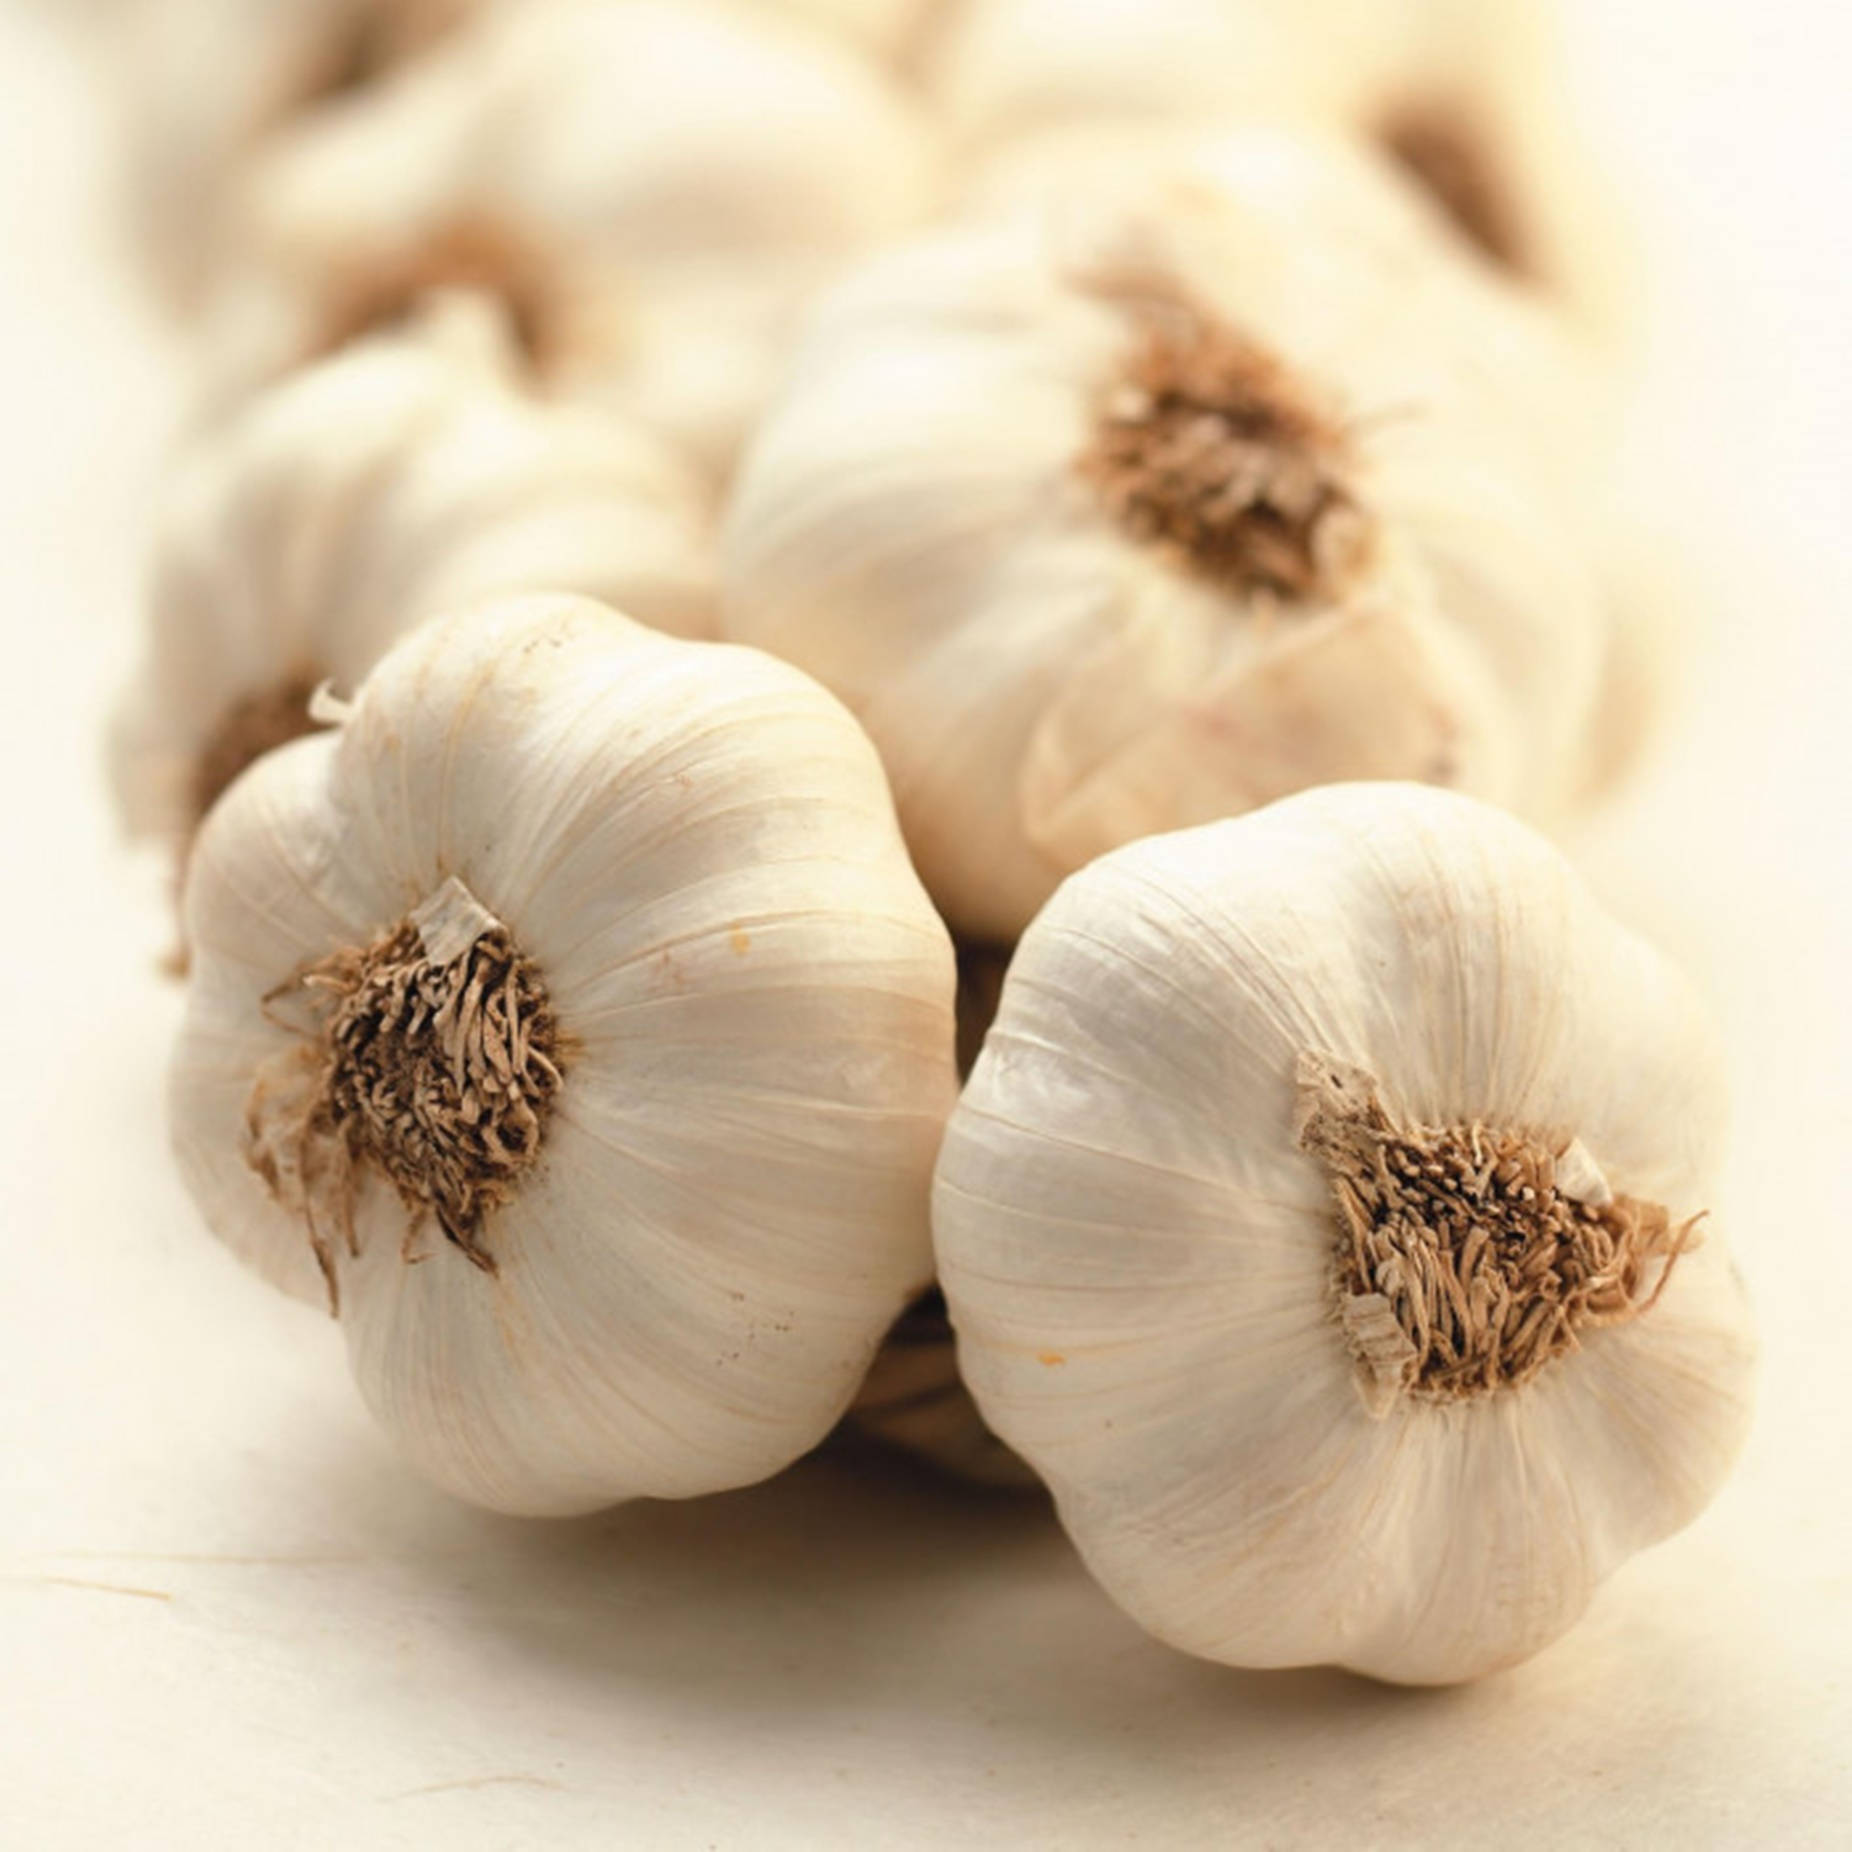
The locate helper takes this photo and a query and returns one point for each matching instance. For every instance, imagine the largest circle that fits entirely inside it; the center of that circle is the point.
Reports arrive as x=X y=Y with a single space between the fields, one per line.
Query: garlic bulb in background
x=654 y=188
x=898 y=33
x=401 y=478
x=572 y=1018
x=1148 y=506
x=1330 y=1221
x=1471 y=96
x=206 y=82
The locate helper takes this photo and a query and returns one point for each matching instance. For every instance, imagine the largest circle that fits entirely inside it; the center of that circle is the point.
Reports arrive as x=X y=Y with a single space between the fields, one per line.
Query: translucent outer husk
x=694 y=849
x=1142 y=1258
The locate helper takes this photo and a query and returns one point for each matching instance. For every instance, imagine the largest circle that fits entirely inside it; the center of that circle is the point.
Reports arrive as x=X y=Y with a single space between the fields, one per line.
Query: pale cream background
x=226 y=1618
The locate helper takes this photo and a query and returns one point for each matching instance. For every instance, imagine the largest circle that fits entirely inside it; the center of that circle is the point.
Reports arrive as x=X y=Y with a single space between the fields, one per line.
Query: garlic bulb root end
x=1470 y=1257
x=431 y=1056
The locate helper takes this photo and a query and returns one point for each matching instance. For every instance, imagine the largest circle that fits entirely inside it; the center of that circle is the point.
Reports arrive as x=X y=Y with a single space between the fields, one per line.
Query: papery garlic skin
x=404 y=477
x=1142 y=1259
x=207 y=82
x=694 y=847
x=662 y=185
x=1472 y=95
x=915 y=522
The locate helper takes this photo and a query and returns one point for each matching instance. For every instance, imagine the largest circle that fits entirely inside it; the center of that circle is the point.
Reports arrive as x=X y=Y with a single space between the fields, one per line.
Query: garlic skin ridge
x=916 y=523
x=693 y=848
x=661 y=186
x=405 y=476
x=1142 y=1258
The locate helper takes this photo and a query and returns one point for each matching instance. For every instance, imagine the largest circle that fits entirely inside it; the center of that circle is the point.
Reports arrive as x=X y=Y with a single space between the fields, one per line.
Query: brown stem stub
x=1439 y=143
x=1469 y=1257
x=432 y=1056
x=254 y=724
x=1207 y=448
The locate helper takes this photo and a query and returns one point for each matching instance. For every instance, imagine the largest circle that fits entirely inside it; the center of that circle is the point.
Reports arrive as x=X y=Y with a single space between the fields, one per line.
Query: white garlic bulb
x=206 y=82
x=1470 y=96
x=401 y=478
x=573 y=1014
x=1144 y=506
x=1329 y=1220
x=656 y=188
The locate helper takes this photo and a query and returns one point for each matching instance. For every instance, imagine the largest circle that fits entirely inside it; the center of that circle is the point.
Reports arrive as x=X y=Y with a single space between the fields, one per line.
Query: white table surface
x=227 y=1618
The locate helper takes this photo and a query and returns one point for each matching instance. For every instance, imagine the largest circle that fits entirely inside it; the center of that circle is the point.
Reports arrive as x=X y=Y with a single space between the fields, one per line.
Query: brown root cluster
x=439 y=1076
x=1463 y=1266
x=1439 y=144
x=253 y=725
x=1207 y=448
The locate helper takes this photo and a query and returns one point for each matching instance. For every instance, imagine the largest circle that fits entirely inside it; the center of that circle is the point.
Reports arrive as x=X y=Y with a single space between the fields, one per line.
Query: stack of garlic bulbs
x=655 y=186
x=752 y=563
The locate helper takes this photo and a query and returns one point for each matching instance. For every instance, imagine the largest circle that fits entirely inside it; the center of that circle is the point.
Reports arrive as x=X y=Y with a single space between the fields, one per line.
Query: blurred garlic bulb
x=206 y=82
x=1142 y=507
x=1329 y=1222
x=572 y=1019
x=895 y=32
x=1470 y=96
x=403 y=477
x=654 y=188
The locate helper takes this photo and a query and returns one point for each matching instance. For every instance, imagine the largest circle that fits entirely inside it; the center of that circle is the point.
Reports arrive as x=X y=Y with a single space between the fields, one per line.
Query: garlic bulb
x=401 y=478
x=206 y=82
x=1329 y=1220
x=572 y=1018
x=1470 y=96
x=654 y=188
x=1145 y=506
x=896 y=32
